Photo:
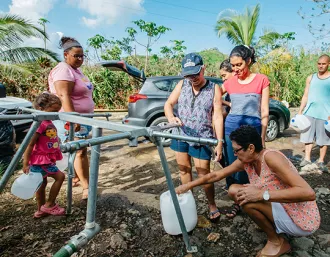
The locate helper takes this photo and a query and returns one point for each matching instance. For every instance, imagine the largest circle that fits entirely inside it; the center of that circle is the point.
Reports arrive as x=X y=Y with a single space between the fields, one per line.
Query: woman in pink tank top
x=75 y=90
x=277 y=199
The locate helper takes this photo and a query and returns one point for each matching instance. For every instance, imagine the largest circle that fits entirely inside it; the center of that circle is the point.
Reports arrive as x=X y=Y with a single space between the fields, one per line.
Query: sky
x=190 y=20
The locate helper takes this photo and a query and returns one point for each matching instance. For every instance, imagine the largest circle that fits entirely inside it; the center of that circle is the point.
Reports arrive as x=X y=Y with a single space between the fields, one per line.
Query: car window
x=216 y=81
x=166 y=85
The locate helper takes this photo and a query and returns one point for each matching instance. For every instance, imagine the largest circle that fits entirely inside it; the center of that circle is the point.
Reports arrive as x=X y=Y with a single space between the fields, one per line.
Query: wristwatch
x=266 y=195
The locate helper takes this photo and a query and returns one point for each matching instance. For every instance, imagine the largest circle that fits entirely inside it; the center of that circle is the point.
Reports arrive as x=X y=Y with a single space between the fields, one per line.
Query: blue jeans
x=240 y=177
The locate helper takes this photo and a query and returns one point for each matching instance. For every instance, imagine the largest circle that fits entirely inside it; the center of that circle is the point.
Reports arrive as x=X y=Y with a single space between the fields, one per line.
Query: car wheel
x=273 y=128
x=162 y=121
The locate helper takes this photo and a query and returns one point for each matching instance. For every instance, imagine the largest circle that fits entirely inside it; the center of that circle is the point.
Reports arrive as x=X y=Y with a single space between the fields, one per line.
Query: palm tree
x=42 y=22
x=239 y=28
x=13 y=31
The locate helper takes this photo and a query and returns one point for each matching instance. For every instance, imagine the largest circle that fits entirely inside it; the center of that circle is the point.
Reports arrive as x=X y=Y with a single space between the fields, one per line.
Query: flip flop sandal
x=233 y=211
x=212 y=213
x=55 y=210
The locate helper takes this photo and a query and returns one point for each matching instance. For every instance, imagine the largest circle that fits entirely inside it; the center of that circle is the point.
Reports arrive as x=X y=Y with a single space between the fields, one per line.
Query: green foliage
x=153 y=33
x=212 y=59
x=14 y=30
x=111 y=89
x=238 y=28
x=288 y=72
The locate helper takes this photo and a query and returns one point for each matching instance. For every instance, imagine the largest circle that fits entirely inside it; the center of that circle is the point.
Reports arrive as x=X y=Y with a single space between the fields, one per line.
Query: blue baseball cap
x=191 y=64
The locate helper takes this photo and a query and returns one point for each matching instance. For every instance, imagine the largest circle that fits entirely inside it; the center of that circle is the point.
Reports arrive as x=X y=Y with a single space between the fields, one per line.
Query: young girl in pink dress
x=41 y=156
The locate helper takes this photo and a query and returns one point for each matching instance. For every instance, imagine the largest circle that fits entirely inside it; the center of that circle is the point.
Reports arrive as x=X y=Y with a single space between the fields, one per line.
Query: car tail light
x=136 y=97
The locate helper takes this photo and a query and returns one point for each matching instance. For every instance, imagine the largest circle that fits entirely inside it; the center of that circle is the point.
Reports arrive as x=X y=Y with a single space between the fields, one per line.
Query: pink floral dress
x=304 y=214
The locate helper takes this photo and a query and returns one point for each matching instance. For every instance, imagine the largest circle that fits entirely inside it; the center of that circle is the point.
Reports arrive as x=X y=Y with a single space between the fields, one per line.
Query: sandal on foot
x=38 y=214
x=85 y=194
x=55 y=210
x=233 y=211
x=212 y=214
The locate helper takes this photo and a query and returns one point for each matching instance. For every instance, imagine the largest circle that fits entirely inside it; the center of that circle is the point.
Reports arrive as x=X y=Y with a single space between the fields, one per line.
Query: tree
x=239 y=28
x=271 y=40
x=42 y=22
x=14 y=30
x=317 y=27
x=153 y=34
x=99 y=44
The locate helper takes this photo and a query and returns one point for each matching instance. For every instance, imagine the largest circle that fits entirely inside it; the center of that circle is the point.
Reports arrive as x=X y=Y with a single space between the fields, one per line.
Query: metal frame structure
x=129 y=132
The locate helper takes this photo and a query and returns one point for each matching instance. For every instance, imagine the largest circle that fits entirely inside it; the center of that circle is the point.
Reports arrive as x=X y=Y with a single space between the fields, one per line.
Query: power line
x=158 y=14
x=199 y=10
x=186 y=7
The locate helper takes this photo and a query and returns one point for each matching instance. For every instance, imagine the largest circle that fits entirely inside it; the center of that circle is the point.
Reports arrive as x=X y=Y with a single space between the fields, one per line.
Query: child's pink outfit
x=46 y=151
x=47 y=148
x=43 y=159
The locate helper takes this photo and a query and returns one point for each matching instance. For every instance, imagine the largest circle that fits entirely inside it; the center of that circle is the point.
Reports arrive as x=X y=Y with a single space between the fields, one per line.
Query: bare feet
x=75 y=182
x=275 y=249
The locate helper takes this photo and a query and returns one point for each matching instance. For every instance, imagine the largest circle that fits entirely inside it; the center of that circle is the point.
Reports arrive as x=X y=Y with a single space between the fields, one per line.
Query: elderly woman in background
x=277 y=199
x=75 y=90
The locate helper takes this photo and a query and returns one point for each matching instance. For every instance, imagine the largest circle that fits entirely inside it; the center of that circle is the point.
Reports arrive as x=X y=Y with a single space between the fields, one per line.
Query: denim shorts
x=202 y=152
x=45 y=169
x=63 y=134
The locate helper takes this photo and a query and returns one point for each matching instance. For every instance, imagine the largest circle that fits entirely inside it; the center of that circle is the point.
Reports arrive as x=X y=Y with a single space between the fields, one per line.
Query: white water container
x=26 y=185
x=63 y=164
x=169 y=218
x=300 y=122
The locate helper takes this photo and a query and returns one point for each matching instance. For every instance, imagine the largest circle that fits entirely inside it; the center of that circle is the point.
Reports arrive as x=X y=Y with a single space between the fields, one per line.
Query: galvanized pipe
x=76 y=145
x=93 y=180
x=173 y=195
x=17 y=157
x=71 y=159
x=202 y=141
x=17 y=117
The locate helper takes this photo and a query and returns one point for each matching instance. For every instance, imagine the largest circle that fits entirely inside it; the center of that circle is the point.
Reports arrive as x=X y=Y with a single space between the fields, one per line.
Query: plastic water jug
x=169 y=218
x=301 y=122
x=63 y=164
x=26 y=185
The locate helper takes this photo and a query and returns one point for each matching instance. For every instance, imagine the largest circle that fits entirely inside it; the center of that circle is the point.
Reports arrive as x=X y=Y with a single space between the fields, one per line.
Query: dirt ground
x=130 y=183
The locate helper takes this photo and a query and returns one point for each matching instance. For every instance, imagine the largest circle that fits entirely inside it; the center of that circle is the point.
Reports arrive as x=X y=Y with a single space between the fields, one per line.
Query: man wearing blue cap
x=199 y=111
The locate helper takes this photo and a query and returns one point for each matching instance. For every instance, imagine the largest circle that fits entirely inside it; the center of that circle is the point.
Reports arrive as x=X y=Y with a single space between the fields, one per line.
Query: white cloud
x=52 y=44
x=108 y=11
x=31 y=9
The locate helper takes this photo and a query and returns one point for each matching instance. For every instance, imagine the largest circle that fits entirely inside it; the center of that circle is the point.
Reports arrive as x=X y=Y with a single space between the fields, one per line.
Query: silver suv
x=9 y=105
x=146 y=108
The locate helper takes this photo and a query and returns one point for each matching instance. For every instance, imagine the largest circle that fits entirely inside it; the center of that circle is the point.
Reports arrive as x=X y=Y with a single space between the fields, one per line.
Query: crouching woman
x=278 y=200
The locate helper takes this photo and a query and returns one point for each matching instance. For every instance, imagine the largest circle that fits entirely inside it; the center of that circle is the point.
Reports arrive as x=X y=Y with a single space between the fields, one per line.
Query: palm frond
x=22 y=27
x=26 y=54
x=238 y=28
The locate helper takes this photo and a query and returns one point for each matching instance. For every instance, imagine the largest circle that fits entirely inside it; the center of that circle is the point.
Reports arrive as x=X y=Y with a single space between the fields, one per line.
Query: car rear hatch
x=125 y=67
